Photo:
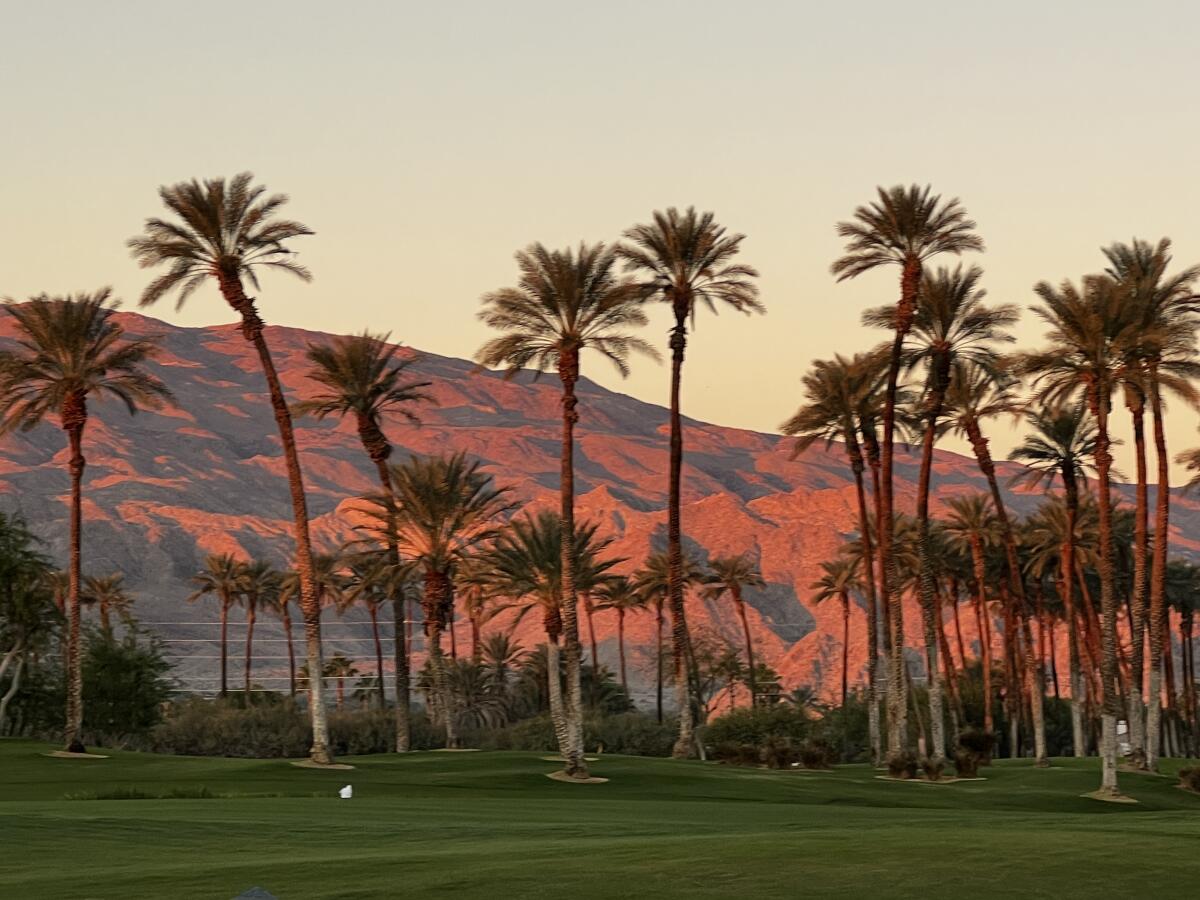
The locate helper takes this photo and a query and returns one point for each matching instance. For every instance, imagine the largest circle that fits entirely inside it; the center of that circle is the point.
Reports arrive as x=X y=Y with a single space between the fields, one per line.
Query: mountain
x=163 y=489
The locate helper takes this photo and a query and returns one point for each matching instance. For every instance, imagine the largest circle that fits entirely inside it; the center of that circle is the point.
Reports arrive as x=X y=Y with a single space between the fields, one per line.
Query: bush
x=1189 y=778
x=817 y=754
x=975 y=747
x=757 y=726
x=780 y=753
x=902 y=764
x=736 y=753
x=933 y=768
x=125 y=687
x=966 y=763
x=273 y=727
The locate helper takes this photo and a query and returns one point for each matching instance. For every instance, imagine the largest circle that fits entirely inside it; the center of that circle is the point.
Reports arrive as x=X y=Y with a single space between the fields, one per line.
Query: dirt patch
x=1106 y=797
x=309 y=764
x=945 y=779
x=67 y=754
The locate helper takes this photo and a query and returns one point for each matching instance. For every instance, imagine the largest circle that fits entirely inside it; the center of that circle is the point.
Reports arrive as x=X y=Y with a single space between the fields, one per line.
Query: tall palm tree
x=108 y=595
x=363 y=376
x=732 y=575
x=952 y=325
x=565 y=303
x=1090 y=332
x=70 y=349
x=1162 y=358
x=904 y=227
x=618 y=592
x=841 y=578
x=686 y=260
x=221 y=577
x=653 y=581
x=442 y=508
x=840 y=400
x=227 y=232
x=259 y=585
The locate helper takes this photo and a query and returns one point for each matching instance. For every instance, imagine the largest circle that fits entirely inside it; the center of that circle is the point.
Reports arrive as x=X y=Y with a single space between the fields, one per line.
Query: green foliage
x=1189 y=778
x=126 y=684
x=629 y=733
x=758 y=726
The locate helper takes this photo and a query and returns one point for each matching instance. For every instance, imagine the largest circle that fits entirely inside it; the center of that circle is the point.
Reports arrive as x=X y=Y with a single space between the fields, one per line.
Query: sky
x=426 y=142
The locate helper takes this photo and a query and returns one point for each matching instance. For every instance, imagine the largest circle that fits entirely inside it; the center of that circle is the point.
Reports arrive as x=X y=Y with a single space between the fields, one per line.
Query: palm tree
x=972 y=527
x=221 y=577
x=374 y=579
x=363 y=376
x=904 y=227
x=732 y=575
x=442 y=508
x=840 y=399
x=1090 y=333
x=108 y=595
x=841 y=578
x=70 y=349
x=617 y=592
x=279 y=604
x=341 y=670
x=227 y=232
x=259 y=585
x=952 y=324
x=653 y=581
x=1162 y=357
x=565 y=303
x=686 y=261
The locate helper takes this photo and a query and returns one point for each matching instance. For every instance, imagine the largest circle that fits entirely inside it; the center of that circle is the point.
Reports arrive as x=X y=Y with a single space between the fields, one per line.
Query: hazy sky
x=425 y=142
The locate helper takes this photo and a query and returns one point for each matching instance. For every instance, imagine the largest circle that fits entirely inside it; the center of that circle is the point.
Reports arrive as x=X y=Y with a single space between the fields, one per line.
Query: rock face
x=163 y=489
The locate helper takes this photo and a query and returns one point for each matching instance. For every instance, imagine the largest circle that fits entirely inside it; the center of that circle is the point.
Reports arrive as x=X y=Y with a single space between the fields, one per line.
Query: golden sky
x=426 y=142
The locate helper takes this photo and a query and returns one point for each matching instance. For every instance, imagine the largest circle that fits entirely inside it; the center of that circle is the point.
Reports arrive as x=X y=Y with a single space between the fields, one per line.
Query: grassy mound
x=492 y=824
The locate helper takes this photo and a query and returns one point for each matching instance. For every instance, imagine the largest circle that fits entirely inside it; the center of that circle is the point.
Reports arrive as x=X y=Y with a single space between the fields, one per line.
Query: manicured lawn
x=491 y=825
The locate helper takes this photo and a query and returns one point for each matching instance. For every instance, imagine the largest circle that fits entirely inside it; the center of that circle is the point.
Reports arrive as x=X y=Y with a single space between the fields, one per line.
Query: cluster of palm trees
x=1128 y=331
x=440 y=528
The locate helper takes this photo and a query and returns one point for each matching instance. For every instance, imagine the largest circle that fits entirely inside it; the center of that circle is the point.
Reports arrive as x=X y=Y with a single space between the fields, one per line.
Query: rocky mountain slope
x=163 y=489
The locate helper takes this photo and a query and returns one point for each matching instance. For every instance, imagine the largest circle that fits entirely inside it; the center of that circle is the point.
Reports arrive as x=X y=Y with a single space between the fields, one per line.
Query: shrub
x=1189 y=778
x=817 y=754
x=756 y=726
x=966 y=763
x=125 y=687
x=933 y=768
x=902 y=764
x=736 y=753
x=780 y=753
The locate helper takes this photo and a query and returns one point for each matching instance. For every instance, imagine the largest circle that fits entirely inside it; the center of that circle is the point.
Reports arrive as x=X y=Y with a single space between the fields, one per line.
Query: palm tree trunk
x=845 y=647
x=956 y=707
x=437 y=589
x=1108 y=604
x=291 y=651
x=568 y=372
x=558 y=718
x=1158 y=577
x=226 y=602
x=958 y=635
x=658 y=621
x=1137 y=603
x=74 y=418
x=910 y=283
x=476 y=640
x=741 y=606
x=679 y=635
x=379 y=453
x=927 y=583
x=864 y=530
x=373 y=612
x=621 y=646
x=1036 y=681
x=310 y=608
x=982 y=618
x=251 y=618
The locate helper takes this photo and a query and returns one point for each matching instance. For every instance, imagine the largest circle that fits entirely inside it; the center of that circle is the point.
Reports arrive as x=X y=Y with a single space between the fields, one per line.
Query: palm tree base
x=76 y=746
x=561 y=775
x=74 y=754
x=313 y=764
x=1109 y=795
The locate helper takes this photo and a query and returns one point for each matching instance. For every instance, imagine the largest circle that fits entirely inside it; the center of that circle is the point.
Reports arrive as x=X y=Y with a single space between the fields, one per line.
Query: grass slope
x=492 y=825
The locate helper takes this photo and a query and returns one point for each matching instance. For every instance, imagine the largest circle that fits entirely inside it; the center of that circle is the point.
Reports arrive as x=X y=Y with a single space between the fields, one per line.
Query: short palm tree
x=108 y=596
x=840 y=397
x=279 y=605
x=365 y=377
x=70 y=350
x=341 y=670
x=1090 y=331
x=617 y=592
x=1163 y=358
x=840 y=578
x=904 y=227
x=443 y=508
x=375 y=578
x=259 y=585
x=732 y=575
x=565 y=303
x=686 y=262
x=228 y=232
x=653 y=580
x=222 y=578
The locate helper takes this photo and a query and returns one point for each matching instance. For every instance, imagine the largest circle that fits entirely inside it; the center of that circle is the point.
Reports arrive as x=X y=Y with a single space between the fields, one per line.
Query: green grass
x=491 y=825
